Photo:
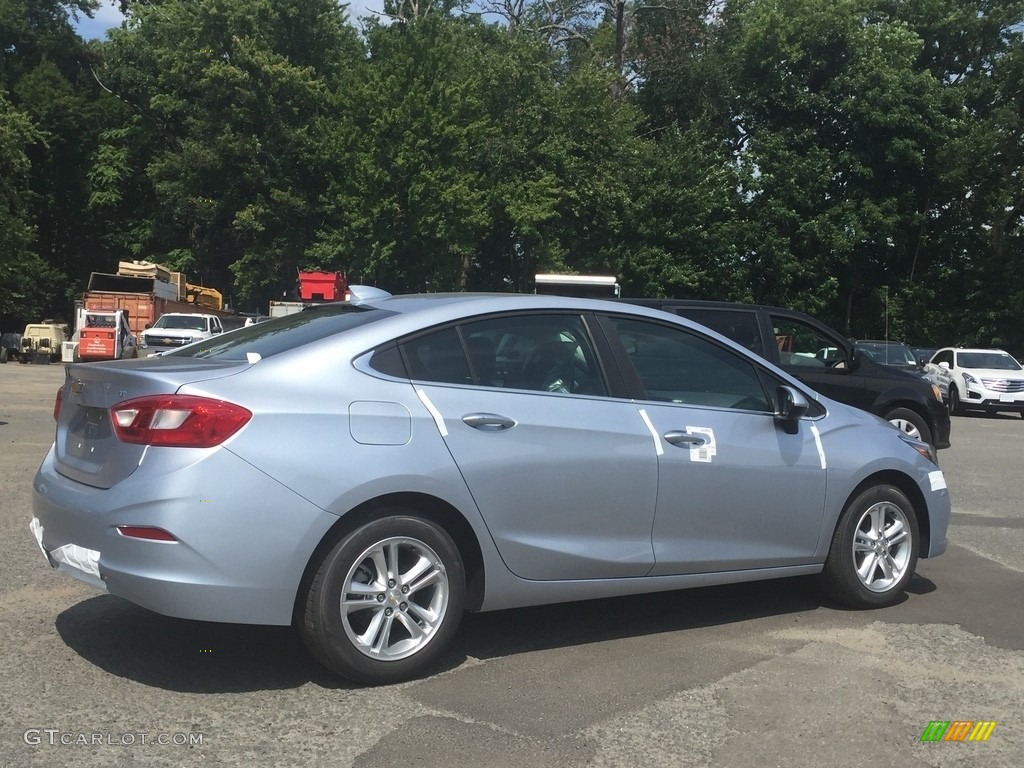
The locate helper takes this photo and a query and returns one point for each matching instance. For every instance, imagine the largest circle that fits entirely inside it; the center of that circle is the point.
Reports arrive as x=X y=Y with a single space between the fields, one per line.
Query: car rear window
x=284 y=333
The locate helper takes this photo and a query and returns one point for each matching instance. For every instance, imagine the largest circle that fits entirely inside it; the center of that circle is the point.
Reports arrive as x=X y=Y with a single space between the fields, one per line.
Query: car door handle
x=490 y=422
x=677 y=437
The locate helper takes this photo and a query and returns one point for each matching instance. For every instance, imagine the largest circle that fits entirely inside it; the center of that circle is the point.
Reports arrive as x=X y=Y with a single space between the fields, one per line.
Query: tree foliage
x=860 y=159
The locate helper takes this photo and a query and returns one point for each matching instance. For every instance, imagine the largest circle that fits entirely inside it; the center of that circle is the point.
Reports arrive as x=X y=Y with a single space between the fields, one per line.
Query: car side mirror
x=790 y=408
x=944 y=364
x=148 y=326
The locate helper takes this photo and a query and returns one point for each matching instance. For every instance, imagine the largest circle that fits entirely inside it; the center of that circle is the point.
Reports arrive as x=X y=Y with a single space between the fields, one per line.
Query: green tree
x=840 y=125
x=45 y=75
x=969 y=251
x=21 y=294
x=472 y=164
x=215 y=158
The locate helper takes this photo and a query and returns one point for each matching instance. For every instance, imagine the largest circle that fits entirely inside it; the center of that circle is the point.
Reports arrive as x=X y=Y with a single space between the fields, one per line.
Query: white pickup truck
x=176 y=329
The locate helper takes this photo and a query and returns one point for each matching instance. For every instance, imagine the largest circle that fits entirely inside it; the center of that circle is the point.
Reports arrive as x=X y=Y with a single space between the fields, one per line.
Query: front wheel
x=910 y=424
x=874 y=549
x=954 y=402
x=385 y=601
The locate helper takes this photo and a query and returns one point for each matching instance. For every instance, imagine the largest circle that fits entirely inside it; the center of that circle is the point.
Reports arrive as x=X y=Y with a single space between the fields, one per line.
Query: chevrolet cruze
x=368 y=471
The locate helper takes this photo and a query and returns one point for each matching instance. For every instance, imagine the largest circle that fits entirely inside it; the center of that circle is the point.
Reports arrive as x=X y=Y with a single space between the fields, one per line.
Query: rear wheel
x=910 y=423
x=874 y=549
x=386 y=600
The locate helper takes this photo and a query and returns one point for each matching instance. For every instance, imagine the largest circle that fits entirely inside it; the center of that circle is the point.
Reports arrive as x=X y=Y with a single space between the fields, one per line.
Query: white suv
x=176 y=329
x=979 y=379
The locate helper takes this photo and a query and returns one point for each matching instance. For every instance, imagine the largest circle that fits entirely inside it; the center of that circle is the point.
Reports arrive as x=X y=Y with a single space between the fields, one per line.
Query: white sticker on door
x=704 y=452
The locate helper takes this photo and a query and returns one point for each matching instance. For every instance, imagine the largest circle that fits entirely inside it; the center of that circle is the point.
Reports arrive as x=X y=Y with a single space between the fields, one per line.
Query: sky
x=108 y=17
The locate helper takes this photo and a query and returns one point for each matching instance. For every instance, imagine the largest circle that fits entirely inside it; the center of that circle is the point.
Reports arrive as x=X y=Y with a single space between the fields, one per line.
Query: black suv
x=820 y=357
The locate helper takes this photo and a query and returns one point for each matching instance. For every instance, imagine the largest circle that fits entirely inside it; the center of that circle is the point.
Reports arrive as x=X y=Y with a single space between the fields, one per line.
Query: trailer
x=313 y=288
x=143 y=299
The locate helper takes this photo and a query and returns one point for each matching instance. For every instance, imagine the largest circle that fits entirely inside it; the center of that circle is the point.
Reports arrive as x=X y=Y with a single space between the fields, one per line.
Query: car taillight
x=177 y=421
x=57 y=402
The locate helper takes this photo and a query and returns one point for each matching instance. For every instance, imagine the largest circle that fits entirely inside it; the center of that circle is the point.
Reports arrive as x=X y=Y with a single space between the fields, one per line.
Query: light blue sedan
x=370 y=470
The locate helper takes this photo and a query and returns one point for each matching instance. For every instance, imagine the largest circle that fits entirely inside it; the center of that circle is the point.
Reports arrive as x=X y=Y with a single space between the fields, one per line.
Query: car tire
x=955 y=406
x=409 y=574
x=910 y=423
x=3 y=354
x=874 y=549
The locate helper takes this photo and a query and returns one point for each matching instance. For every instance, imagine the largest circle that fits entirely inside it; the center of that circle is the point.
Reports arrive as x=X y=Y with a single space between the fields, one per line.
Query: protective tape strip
x=433 y=412
x=654 y=433
x=817 y=442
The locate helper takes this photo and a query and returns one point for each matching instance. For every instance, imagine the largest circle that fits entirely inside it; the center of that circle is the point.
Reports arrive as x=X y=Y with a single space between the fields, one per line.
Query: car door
x=735 y=490
x=820 y=360
x=564 y=476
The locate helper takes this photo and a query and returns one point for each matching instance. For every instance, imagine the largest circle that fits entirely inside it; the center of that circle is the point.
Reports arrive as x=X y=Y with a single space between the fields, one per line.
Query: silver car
x=369 y=471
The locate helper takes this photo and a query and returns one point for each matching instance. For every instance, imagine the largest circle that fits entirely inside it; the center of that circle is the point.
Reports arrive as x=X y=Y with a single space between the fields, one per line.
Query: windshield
x=99 y=321
x=888 y=354
x=189 y=322
x=997 y=361
x=283 y=333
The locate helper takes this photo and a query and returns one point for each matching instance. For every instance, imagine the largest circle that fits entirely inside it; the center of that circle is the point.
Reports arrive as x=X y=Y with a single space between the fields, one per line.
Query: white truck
x=176 y=329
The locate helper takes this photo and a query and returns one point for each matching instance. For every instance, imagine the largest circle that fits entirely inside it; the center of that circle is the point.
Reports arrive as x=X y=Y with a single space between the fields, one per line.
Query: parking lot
x=763 y=674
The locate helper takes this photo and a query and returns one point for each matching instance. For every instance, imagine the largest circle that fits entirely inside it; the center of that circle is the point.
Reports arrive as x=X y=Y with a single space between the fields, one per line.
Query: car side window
x=438 y=356
x=679 y=366
x=945 y=356
x=801 y=345
x=546 y=353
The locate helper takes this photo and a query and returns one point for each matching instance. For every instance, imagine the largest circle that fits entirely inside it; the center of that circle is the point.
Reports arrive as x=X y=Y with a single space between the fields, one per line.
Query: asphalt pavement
x=763 y=674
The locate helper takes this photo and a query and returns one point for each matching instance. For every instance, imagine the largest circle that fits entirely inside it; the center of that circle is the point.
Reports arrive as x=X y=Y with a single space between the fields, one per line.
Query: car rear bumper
x=243 y=540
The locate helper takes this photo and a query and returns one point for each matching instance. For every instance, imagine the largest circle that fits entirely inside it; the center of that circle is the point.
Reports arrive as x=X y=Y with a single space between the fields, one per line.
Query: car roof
x=975 y=349
x=708 y=303
x=459 y=303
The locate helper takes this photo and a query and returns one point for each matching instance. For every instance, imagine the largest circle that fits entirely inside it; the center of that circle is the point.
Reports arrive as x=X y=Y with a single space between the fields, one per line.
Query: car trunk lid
x=86 y=447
